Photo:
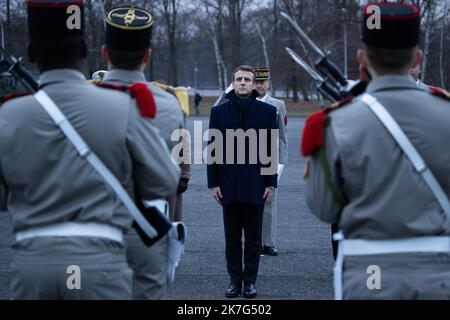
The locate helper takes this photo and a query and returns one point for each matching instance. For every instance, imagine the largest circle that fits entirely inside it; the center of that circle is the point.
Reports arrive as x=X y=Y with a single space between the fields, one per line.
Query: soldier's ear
x=362 y=57
x=105 y=53
x=31 y=53
x=417 y=59
x=147 y=56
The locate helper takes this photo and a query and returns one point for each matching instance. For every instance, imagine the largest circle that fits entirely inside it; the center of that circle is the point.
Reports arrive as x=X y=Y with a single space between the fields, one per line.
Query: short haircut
x=390 y=59
x=52 y=52
x=245 y=68
x=128 y=60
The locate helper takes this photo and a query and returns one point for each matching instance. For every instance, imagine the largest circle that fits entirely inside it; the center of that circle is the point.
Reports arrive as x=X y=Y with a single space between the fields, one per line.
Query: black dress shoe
x=250 y=290
x=271 y=251
x=233 y=290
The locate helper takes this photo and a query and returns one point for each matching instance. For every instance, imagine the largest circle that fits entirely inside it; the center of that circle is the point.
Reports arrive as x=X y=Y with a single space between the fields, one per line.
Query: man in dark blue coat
x=242 y=174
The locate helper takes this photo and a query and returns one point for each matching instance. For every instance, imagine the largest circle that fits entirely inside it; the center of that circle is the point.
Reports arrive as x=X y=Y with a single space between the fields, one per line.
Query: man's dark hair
x=388 y=60
x=128 y=60
x=245 y=68
x=57 y=52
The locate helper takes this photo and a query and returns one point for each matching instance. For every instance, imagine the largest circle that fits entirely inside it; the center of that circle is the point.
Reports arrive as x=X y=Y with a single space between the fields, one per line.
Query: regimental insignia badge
x=129 y=18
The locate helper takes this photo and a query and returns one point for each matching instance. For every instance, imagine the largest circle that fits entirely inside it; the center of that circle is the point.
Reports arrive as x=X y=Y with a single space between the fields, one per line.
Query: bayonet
x=331 y=79
x=322 y=85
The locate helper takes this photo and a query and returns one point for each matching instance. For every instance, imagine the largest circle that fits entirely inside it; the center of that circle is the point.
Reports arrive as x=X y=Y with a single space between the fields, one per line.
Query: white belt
x=417 y=244
x=359 y=247
x=73 y=229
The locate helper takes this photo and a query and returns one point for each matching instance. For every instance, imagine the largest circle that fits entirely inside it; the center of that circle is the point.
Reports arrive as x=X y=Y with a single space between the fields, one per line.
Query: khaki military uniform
x=176 y=201
x=383 y=197
x=270 y=209
x=149 y=264
x=45 y=182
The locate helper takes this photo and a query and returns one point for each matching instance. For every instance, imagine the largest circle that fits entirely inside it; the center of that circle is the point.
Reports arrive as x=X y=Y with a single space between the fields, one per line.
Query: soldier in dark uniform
x=68 y=222
x=394 y=240
x=127 y=51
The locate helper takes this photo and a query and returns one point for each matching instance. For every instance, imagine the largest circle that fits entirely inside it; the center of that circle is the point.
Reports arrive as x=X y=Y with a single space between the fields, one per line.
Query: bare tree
x=429 y=23
x=263 y=44
x=170 y=15
x=214 y=12
x=235 y=10
x=441 y=45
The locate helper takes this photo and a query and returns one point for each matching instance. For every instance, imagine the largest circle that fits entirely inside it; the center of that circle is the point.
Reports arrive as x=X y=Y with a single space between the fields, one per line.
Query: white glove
x=99 y=75
x=177 y=238
x=280 y=170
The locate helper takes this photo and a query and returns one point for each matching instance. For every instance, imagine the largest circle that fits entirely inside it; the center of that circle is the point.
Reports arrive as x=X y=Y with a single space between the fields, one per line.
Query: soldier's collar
x=264 y=99
x=122 y=75
x=391 y=82
x=60 y=75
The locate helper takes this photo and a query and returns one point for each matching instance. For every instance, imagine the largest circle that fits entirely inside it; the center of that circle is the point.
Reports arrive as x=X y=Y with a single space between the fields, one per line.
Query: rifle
x=331 y=82
x=10 y=65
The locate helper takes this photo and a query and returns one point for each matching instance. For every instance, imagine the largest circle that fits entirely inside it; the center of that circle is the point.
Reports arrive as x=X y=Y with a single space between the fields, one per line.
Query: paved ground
x=303 y=270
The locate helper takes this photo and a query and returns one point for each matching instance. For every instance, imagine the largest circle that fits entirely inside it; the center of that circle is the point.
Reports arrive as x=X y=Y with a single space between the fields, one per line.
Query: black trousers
x=238 y=217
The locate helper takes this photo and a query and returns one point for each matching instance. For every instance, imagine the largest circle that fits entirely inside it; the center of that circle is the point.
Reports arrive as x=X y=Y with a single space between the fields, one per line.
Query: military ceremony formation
x=94 y=181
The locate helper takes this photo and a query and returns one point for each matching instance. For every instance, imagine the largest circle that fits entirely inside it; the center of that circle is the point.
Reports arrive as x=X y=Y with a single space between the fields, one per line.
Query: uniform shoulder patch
x=139 y=91
x=439 y=92
x=313 y=136
x=164 y=87
x=180 y=93
x=11 y=96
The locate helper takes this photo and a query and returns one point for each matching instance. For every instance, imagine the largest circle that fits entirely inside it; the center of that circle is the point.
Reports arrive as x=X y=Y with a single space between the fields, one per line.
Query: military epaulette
x=313 y=136
x=11 y=96
x=139 y=91
x=439 y=92
x=181 y=93
x=165 y=87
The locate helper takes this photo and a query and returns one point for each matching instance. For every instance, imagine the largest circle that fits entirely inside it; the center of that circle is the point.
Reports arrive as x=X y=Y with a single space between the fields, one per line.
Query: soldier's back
x=43 y=170
x=387 y=198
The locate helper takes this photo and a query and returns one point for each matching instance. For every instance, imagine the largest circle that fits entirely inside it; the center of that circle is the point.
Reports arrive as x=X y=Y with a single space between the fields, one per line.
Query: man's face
x=262 y=86
x=243 y=83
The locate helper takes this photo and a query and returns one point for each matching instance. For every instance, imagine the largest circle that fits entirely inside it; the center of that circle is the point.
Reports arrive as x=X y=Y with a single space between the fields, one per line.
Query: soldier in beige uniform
x=359 y=177
x=270 y=209
x=127 y=51
x=68 y=221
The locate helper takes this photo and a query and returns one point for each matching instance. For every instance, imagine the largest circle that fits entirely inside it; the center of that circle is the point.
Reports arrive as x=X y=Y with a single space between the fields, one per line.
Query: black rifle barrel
x=327 y=89
x=10 y=64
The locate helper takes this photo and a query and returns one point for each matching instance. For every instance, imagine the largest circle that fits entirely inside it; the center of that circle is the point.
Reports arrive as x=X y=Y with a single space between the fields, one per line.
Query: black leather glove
x=182 y=185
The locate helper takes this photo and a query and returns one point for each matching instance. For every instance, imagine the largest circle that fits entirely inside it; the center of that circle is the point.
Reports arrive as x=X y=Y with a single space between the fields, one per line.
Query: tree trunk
x=235 y=32
x=275 y=43
x=263 y=45
x=441 y=57
x=294 y=89
x=441 y=49
x=220 y=78
x=7 y=32
x=170 y=15
x=304 y=92
x=427 y=42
